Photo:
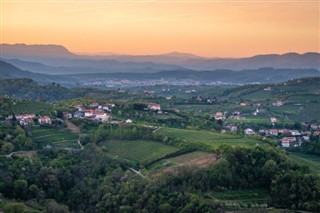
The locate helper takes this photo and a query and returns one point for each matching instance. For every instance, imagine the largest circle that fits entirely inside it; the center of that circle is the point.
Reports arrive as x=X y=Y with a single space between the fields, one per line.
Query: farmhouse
x=316 y=133
x=44 y=120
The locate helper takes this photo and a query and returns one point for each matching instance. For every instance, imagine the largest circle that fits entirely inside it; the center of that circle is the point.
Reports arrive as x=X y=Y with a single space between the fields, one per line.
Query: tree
x=20 y=188
x=7 y=148
x=14 y=208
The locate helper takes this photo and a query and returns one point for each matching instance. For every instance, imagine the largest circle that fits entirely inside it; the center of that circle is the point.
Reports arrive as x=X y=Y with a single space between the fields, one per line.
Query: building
x=273 y=132
x=219 y=116
x=285 y=143
x=67 y=115
x=44 y=120
x=278 y=103
x=249 y=132
x=25 y=121
x=88 y=113
x=24 y=116
x=273 y=120
x=294 y=133
x=128 y=121
x=316 y=133
x=101 y=116
x=153 y=106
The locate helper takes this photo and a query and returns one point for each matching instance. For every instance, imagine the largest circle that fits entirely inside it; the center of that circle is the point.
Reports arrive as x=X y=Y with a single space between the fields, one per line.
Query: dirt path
x=74 y=129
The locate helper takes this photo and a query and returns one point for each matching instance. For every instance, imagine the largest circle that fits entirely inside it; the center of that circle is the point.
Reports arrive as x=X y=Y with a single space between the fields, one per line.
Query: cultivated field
x=313 y=161
x=137 y=151
x=208 y=138
x=54 y=137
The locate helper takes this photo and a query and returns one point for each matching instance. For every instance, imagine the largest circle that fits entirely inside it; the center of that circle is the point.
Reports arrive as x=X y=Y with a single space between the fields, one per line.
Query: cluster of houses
x=96 y=112
x=287 y=137
x=28 y=119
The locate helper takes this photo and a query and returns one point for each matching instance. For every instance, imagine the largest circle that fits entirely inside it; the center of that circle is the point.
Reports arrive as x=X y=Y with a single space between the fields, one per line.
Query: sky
x=214 y=28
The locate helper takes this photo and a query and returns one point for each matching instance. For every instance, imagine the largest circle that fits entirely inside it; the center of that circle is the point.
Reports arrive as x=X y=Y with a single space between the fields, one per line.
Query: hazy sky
x=208 y=28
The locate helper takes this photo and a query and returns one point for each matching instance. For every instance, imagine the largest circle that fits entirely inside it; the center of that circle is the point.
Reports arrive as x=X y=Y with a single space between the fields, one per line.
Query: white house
x=88 y=113
x=249 y=132
x=44 y=120
x=128 y=121
x=294 y=132
x=101 y=116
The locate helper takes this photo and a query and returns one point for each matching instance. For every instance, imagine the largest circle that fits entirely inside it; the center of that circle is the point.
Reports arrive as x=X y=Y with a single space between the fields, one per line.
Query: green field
x=208 y=138
x=32 y=107
x=55 y=137
x=137 y=151
x=313 y=161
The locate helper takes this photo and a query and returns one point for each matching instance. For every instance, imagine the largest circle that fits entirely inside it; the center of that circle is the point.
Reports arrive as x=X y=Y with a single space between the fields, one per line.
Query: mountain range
x=61 y=57
x=54 y=63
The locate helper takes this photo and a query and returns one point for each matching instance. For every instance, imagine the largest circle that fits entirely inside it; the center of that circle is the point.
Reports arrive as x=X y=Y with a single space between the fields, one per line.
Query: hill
x=29 y=89
x=9 y=71
x=36 y=50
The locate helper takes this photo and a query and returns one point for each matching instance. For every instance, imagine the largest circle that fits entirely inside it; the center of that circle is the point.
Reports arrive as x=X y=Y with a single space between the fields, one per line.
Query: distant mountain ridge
x=59 y=56
x=36 y=50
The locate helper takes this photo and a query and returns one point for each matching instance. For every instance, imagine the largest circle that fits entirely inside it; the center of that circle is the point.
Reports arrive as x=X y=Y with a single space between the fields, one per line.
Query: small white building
x=249 y=132
x=128 y=121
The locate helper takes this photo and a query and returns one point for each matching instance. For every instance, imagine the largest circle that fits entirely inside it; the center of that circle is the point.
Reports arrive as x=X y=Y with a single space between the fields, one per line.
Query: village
x=96 y=112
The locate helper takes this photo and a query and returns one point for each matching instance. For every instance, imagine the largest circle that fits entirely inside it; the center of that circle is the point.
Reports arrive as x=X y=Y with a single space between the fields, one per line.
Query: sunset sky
x=207 y=28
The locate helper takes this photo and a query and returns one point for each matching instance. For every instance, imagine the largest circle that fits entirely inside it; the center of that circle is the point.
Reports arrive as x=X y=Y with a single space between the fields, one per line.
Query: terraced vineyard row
x=137 y=151
x=54 y=137
x=311 y=161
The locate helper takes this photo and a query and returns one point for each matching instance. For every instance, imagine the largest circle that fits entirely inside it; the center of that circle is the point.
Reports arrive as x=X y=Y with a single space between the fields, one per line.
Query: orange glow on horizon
x=207 y=28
